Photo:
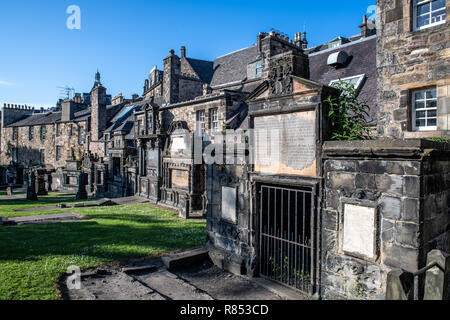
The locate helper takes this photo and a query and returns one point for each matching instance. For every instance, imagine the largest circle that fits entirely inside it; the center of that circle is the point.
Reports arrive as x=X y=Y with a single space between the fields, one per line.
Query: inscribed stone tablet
x=285 y=144
x=359 y=230
x=229 y=204
x=180 y=179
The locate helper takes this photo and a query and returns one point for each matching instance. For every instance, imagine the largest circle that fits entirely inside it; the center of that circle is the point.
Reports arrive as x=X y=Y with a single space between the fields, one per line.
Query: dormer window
x=429 y=13
x=334 y=44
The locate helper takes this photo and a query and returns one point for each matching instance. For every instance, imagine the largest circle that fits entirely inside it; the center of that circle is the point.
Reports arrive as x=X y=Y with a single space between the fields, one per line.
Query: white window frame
x=425 y=109
x=416 y=3
x=358 y=83
x=258 y=69
x=201 y=117
x=214 y=119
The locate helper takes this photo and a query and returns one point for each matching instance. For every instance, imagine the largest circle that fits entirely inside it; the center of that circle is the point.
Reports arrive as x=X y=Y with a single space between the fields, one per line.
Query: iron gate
x=287 y=236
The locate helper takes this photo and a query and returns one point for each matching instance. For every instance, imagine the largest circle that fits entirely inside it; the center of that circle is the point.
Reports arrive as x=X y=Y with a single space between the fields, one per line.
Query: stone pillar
x=436 y=279
x=31 y=189
x=81 y=194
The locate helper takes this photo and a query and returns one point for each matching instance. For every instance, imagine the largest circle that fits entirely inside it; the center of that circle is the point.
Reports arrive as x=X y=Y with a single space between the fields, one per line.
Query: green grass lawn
x=7 y=207
x=33 y=257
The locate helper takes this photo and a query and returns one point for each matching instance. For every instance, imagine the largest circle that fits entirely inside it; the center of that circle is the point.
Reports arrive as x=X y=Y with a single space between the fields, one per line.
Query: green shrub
x=347 y=114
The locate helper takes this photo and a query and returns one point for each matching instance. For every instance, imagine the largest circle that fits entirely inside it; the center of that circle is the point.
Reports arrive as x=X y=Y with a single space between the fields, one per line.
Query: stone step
x=185 y=258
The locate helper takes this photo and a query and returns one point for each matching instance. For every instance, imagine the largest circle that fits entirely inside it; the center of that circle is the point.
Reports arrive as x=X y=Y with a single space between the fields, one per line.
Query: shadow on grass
x=100 y=240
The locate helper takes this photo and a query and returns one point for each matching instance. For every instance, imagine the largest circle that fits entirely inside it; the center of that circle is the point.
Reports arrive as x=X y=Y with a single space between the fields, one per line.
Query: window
x=80 y=135
x=355 y=80
x=424 y=113
x=58 y=129
x=258 y=69
x=15 y=133
x=15 y=155
x=201 y=122
x=214 y=120
x=58 y=153
x=428 y=13
x=334 y=44
x=43 y=133
x=31 y=133
x=42 y=156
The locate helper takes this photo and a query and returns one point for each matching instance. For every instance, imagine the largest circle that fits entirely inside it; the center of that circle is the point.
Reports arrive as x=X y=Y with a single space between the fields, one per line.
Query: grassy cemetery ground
x=7 y=207
x=33 y=257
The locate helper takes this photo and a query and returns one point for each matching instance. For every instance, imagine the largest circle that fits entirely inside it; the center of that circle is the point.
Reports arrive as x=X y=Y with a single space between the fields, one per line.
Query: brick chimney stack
x=183 y=52
x=367 y=27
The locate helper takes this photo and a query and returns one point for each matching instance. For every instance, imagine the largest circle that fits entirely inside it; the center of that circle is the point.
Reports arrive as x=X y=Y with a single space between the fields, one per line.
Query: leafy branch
x=348 y=114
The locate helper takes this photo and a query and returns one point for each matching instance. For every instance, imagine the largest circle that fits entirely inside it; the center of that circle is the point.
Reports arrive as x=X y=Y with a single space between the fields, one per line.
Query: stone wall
x=229 y=242
x=407 y=185
x=409 y=60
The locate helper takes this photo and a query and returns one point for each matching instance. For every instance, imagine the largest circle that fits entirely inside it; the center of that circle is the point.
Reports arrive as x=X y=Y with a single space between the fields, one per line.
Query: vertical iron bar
x=303 y=240
x=296 y=234
x=288 y=237
x=260 y=227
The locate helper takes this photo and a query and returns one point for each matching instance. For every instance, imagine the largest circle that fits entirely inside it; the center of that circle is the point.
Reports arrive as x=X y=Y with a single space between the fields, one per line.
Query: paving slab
x=184 y=259
x=151 y=280
x=47 y=218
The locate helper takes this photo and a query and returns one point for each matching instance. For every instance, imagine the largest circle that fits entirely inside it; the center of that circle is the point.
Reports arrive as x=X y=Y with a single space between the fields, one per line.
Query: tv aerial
x=66 y=92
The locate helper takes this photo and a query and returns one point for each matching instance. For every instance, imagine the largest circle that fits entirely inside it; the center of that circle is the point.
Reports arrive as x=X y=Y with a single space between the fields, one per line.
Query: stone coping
x=411 y=148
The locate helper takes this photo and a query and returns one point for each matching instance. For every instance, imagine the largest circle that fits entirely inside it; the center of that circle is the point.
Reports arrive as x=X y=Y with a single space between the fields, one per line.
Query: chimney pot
x=183 y=52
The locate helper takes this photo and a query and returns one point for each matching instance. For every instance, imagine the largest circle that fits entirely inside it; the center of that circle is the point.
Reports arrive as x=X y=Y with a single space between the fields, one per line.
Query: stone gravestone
x=82 y=193
x=41 y=183
x=31 y=189
x=9 y=191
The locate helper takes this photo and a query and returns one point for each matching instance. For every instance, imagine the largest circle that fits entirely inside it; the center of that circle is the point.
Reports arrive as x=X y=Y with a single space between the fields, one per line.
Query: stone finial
x=172 y=52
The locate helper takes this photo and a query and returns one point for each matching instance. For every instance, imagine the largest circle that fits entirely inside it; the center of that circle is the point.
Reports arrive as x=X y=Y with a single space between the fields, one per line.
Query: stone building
x=244 y=139
x=413 y=67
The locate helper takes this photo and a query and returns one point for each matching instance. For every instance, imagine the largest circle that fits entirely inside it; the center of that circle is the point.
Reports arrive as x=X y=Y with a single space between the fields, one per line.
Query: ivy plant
x=348 y=114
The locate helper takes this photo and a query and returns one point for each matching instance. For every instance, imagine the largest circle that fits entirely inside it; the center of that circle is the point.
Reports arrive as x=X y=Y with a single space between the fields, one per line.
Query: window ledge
x=424 y=134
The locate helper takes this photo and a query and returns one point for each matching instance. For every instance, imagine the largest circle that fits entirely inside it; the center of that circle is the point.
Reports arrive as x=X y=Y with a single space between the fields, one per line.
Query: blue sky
x=125 y=39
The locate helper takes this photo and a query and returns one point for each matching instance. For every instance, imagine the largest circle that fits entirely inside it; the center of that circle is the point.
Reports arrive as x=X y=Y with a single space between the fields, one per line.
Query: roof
x=38 y=119
x=361 y=61
x=233 y=66
x=204 y=69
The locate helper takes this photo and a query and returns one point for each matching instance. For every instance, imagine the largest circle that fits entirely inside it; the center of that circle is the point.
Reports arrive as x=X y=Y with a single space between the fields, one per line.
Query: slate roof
x=38 y=119
x=362 y=60
x=233 y=66
x=204 y=69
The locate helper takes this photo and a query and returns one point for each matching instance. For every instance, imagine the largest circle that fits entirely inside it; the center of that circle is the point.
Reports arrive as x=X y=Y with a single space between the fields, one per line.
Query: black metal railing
x=286 y=250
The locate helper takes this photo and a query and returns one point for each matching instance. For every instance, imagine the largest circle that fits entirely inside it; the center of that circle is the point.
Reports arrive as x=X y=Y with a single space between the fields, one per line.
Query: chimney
x=183 y=52
x=135 y=96
x=171 y=78
x=367 y=28
x=98 y=113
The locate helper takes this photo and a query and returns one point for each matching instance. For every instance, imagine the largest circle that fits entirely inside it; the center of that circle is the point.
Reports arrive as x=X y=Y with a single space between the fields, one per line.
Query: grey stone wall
x=230 y=243
x=409 y=187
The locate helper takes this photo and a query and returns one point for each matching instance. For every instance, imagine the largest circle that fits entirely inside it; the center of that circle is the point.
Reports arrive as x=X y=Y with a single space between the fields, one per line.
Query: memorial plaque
x=359 y=230
x=152 y=158
x=229 y=196
x=286 y=144
x=180 y=179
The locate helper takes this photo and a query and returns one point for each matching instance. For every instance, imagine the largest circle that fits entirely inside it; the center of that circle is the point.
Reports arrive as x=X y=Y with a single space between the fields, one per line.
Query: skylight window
x=356 y=81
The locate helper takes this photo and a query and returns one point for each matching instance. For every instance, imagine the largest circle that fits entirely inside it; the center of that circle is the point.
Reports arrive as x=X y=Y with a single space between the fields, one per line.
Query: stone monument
x=31 y=189
x=81 y=194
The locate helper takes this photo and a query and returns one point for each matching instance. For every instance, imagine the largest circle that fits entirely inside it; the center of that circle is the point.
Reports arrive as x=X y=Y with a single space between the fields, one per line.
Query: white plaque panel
x=229 y=204
x=359 y=230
